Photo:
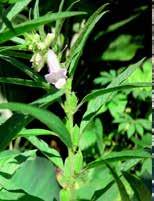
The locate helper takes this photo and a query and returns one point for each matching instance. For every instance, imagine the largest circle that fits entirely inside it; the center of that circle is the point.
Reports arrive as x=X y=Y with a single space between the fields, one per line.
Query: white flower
x=57 y=75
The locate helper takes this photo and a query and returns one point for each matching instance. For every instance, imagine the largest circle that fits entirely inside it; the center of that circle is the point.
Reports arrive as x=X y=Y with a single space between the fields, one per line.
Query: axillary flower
x=57 y=75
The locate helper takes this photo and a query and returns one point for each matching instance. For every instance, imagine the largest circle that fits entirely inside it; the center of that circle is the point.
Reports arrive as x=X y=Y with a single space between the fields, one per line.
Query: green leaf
x=88 y=138
x=139 y=129
x=97 y=104
x=35 y=132
x=16 y=195
x=29 y=179
x=105 y=77
x=99 y=135
x=144 y=142
x=18 y=121
x=100 y=192
x=131 y=130
x=10 y=1
x=50 y=153
x=140 y=190
x=33 y=24
x=122 y=155
x=101 y=92
x=17 y=8
x=6 y=21
x=49 y=119
x=48 y=99
x=76 y=50
x=24 y=68
x=123 y=193
x=65 y=195
x=78 y=162
x=11 y=128
x=6 y=155
x=36 y=11
x=10 y=162
x=117 y=105
x=122 y=48
x=18 y=81
x=117 y=25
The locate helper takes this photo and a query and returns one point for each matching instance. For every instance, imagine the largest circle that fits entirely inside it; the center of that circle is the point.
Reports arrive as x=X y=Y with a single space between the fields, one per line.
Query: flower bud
x=49 y=39
x=38 y=61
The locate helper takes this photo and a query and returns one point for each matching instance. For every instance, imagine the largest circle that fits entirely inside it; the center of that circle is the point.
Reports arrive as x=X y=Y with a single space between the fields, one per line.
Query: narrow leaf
x=33 y=24
x=140 y=190
x=17 y=122
x=18 y=81
x=49 y=119
x=123 y=193
x=96 y=104
x=76 y=50
x=50 y=153
x=100 y=92
x=35 y=132
x=122 y=155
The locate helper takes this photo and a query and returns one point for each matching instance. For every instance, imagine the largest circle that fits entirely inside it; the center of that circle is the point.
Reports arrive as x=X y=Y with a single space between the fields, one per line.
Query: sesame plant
x=37 y=54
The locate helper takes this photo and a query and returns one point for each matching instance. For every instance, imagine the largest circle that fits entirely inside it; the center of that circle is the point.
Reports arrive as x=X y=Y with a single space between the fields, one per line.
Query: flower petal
x=60 y=83
x=52 y=61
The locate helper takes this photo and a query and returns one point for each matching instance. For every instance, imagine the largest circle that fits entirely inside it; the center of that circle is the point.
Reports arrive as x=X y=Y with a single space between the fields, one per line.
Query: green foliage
x=76 y=50
x=49 y=119
x=36 y=168
x=118 y=50
x=31 y=25
x=63 y=144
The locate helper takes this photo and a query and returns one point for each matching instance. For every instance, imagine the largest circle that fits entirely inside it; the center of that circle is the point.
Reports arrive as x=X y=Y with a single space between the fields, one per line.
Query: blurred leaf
x=6 y=155
x=123 y=193
x=5 y=19
x=10 y=166
x=116 y=25
x=18 y=81
x=142 y=74
x=100 y=192
x=46 y=117
x=11 y=128
x=65 y=195
x=139 y=129
x=99 y=135
x=100 y=92
x=16 y=195
x=35 y=132
x=50 y=153
x=17 y=8
x=122 y=48
x=146 y=123
x=32 y=171
x=88 y=138
x=105 y=77
x=118 y=104
x=10 y=1
x=140 y=190
x=131 y=130
x=145 y=141
x=60 y=22
x=78 y=162
x=77 y=49
x=18 y=121
x=32 y=24
x=24 y=68
x=96 y=104
x=116 y=156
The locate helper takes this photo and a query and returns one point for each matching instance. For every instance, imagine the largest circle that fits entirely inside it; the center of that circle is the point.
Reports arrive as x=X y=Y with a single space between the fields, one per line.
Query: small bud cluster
x=39 y=48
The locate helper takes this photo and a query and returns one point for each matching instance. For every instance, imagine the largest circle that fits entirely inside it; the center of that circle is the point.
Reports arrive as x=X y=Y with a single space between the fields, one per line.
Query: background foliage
x=111 y=126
